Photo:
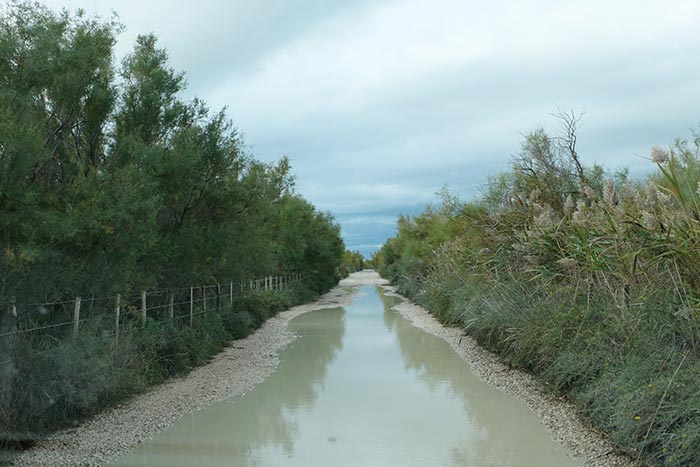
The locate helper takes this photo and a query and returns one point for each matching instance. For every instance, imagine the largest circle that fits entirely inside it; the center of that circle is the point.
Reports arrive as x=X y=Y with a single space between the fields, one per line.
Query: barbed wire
x=124 y=308
x=137 y=295
x=22 y=331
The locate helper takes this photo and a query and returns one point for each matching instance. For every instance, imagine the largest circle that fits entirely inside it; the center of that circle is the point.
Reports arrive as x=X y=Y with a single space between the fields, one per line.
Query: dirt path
x=562 y=419
x=249 y=361
x=232 y=372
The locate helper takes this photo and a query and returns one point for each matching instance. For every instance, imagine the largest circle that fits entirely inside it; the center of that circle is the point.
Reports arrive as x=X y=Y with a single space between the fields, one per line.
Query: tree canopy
x=110 y=181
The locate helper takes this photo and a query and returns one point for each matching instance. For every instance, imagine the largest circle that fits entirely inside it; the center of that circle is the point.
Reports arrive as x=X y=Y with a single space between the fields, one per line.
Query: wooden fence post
x=76 y=316
x=171 y=304
x=204 y=297
x=143 y=308
x=8 y=371
x=218 y=298
x=191 y=305
x=230 y=293
x=116 y=319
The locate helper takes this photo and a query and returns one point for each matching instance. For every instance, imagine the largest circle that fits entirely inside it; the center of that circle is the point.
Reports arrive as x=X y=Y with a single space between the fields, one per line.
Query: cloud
x=379 y=104
x=369 y=220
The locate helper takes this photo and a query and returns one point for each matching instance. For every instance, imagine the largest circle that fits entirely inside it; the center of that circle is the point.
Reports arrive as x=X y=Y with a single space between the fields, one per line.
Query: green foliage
x=111 y=183
x=61 y=384
x=353 y=261
x=584 y=278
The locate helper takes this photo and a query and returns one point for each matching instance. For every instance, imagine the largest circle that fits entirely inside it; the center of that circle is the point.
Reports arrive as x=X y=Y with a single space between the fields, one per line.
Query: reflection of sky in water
x=360 y=387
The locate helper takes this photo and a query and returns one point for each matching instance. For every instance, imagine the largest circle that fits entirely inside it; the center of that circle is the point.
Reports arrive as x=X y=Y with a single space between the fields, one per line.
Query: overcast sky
x=380 y=103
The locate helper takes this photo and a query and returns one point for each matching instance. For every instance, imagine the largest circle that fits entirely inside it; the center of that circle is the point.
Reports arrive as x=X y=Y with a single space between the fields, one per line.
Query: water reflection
x=360 y=387
x=229 y=433
x=504 y=432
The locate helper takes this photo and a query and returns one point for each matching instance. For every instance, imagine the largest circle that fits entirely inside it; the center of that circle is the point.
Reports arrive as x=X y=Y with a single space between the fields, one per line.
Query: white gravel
x=563 y=421
x=232 y=372
x=249 y=361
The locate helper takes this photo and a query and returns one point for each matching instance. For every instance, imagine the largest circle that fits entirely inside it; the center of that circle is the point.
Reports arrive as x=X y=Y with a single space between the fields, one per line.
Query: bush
x=585 y=278
x=63 y=383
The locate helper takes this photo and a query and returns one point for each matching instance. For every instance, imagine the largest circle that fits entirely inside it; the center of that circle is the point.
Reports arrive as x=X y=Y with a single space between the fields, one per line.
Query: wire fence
x=112 y=313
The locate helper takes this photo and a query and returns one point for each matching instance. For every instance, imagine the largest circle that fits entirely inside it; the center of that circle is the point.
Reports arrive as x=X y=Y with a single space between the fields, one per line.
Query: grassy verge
x=626 y=373
x=585 y=278
x=61 y=384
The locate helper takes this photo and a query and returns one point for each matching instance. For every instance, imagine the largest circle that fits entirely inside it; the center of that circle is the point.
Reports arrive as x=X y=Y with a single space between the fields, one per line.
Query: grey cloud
x=378 y=104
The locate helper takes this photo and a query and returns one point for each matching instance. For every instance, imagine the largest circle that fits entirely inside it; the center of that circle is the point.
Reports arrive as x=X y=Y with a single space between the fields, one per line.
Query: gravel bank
x=561 y=418
x=249 y=361
x=232 y=372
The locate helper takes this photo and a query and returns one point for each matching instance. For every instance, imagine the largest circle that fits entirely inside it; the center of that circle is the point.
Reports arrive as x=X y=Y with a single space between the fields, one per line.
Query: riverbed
x=360 y=386
x=345 y=380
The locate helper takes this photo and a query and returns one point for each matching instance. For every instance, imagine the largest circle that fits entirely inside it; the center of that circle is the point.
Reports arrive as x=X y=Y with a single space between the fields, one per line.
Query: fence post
x=171 y=304
x=143 y=308
x=76 y=316
x=230 y=293
x=8 y=371
x=218 y=298
x=204 y=297
x=191 y=305
x=116 y=319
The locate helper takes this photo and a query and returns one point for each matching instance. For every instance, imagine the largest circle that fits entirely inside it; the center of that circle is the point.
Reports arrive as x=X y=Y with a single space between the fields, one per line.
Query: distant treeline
x=353 y=261
x=588 y=279
x=111 y=183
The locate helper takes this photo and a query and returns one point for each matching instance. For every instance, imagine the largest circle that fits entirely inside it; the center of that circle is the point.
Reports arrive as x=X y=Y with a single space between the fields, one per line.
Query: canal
x=360 y=386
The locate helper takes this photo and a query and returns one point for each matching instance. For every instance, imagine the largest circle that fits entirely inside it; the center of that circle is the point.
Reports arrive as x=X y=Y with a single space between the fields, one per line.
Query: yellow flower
x=637 y=417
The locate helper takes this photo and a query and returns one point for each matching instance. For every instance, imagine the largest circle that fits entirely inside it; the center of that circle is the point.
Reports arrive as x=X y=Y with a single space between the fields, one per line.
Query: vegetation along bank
x=116 y=192
x=584 y=277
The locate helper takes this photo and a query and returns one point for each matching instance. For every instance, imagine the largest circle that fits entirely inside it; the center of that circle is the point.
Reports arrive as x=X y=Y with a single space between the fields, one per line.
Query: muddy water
x=360 y=387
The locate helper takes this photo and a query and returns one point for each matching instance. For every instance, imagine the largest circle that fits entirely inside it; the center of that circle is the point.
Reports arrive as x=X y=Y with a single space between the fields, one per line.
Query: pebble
x=563 y=421
x=246 y=362
x=234 y=371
